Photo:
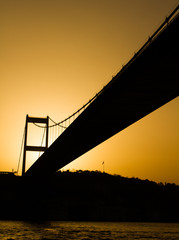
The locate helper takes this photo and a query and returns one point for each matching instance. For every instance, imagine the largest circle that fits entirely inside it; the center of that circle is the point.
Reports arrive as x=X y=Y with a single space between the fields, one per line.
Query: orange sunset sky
x=57 y=54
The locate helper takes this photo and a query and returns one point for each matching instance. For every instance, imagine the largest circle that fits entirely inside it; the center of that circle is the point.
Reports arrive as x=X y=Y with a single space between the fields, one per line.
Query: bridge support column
x=34 y=148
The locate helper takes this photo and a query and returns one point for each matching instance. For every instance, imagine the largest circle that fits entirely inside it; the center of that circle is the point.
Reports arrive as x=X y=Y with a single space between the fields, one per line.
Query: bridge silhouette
x=148 y=81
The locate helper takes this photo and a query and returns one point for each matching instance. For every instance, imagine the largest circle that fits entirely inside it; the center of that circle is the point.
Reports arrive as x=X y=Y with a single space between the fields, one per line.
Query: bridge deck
x=143 y=86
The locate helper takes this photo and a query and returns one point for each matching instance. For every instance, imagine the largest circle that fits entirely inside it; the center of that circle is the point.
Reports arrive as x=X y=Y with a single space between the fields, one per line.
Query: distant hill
x=88 y=196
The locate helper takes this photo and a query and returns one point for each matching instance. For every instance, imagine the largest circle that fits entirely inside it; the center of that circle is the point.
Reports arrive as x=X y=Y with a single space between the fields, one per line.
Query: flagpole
x=103 y=166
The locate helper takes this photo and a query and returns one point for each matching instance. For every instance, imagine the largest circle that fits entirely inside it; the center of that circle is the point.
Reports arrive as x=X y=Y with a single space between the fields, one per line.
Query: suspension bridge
x=148 y=81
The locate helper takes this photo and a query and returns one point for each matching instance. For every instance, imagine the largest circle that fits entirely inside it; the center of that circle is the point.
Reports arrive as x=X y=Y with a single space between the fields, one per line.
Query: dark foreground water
x=88 y=230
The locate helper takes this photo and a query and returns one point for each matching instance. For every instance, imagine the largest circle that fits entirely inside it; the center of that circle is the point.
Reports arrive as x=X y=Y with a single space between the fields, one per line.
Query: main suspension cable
x=150 y=39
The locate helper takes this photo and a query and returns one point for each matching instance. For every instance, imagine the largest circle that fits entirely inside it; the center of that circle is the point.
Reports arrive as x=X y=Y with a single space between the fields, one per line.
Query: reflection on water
x=16 y=230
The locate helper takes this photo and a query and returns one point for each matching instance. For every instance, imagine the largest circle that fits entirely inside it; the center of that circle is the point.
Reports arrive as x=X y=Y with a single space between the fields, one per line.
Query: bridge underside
x=149 y=82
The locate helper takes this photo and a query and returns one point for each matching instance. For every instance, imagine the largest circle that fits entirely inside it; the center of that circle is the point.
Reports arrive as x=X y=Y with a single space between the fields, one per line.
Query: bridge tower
x=34 y=148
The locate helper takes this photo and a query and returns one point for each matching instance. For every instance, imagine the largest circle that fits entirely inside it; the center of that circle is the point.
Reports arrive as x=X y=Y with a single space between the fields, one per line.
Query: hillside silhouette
x=88 y=196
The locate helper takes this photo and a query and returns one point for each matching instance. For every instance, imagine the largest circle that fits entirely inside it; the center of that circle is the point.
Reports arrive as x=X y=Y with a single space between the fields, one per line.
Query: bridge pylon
x=34 y=148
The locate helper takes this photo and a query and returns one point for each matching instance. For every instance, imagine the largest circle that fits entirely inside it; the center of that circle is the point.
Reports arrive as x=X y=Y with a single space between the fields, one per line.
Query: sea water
x=19 y=230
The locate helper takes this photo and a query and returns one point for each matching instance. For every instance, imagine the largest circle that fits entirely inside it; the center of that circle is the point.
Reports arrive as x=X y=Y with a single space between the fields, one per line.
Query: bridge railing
x=168 y=20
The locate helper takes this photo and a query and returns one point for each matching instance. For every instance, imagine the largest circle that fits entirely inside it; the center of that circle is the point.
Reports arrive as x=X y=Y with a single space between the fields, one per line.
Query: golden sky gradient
x=57 y=54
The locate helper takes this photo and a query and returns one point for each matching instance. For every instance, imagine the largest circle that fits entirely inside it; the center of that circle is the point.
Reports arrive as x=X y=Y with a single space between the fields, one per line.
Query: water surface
x=19 y=230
